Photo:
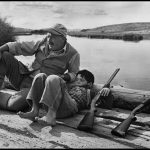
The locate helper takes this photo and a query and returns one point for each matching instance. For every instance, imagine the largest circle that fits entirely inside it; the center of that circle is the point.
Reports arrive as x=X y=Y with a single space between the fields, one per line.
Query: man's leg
x=9 y=66
x=59 y=102
x=51 y=97
x=34 y=96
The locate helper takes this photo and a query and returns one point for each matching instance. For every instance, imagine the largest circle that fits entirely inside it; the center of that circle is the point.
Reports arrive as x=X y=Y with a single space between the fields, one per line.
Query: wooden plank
x=105 y=132
x=121 y=114
x=23 y=133
x=103 y=127
x=133 y=129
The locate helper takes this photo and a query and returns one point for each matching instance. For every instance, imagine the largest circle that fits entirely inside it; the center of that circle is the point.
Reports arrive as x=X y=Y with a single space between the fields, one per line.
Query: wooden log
x=127 y=98
x=123 y=97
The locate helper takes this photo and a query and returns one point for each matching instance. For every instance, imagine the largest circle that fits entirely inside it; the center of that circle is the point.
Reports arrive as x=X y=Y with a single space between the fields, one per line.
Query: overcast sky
x=80 y=14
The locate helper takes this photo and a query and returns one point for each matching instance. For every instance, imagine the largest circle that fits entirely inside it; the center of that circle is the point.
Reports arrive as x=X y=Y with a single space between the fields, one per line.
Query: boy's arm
x=103 y=92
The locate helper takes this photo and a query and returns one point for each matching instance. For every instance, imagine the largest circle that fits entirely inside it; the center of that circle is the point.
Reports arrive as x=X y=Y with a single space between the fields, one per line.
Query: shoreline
x=135 y=37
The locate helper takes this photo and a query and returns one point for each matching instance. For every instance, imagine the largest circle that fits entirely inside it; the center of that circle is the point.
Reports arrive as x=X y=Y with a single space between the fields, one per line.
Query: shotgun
x=86 y=123
x=122 y=128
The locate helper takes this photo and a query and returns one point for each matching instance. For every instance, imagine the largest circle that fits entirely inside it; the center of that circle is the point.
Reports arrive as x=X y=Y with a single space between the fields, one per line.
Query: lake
x=103 y=56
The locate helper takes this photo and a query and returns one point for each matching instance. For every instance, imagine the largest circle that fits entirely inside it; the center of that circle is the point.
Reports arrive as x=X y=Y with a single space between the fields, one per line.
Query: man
x=63 y=99
x=53 y=55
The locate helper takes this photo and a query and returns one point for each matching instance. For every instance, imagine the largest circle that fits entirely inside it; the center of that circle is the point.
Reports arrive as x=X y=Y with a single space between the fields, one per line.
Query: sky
x=74 y=14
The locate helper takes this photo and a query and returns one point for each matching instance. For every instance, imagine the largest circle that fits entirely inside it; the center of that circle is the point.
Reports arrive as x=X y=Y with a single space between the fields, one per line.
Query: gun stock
x=122 y=128
x=87 y=122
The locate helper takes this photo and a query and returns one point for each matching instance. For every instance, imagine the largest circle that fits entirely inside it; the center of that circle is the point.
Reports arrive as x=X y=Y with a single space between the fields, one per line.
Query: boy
x=62 y=99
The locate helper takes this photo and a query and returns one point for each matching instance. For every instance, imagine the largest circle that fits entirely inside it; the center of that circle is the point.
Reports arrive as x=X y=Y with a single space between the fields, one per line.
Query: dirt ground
x=16 y=132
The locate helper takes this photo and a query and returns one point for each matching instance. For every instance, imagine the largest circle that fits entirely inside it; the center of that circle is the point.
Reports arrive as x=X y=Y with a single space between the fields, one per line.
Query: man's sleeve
x=74 y=65
x=23 y=48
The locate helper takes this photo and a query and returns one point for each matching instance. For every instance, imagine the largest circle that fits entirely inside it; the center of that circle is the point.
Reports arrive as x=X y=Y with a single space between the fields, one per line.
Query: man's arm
x=23 y=48
x=73 y=68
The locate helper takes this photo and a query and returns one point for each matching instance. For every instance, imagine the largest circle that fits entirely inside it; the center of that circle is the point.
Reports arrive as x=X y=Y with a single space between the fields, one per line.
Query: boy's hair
x=89 y=77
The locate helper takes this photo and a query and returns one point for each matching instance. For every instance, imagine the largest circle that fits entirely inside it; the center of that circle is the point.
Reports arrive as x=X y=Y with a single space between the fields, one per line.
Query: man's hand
x=66 y=77
x=104 y=91
x=45 y=39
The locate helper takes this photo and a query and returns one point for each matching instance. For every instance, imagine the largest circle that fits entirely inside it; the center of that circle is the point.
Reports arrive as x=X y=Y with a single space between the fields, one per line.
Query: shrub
x=132 y=37
x=6 y=32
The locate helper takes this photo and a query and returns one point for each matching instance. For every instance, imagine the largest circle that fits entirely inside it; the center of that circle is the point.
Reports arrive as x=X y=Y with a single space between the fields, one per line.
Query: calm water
x=103 y=56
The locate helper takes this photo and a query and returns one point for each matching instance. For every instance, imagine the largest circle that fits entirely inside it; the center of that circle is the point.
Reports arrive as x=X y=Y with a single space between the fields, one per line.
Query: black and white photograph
x=75 y=74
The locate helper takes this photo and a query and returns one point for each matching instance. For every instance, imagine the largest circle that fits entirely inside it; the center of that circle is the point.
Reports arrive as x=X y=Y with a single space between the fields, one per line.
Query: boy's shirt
x=80 y=94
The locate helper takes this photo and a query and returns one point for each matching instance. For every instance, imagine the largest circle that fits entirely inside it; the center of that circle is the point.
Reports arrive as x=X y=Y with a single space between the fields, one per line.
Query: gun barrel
x=112 y=77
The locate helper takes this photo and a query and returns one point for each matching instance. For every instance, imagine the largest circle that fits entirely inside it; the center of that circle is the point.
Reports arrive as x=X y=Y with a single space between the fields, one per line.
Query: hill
x=116 y=31
x=125 y=27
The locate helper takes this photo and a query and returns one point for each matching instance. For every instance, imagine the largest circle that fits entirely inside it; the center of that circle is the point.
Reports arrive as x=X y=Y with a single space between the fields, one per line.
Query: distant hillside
x=114 y=31
x=125 y=27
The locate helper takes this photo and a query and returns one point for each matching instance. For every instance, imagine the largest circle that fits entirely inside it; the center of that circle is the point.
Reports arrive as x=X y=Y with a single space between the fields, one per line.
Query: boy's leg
x=34 y=96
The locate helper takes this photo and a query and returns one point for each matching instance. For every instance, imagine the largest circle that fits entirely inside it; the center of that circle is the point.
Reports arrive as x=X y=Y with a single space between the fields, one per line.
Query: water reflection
x=103 y=56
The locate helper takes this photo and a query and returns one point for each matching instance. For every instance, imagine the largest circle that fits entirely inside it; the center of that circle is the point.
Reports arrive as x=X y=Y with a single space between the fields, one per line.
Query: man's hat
x=58 y=29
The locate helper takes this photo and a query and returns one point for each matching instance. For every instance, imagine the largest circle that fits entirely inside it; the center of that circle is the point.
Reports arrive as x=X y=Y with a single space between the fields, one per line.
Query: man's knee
x=40 y=76
x=53 y=79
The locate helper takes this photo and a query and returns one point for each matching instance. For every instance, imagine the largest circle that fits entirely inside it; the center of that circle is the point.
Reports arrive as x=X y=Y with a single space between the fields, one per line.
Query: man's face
x=56 y=42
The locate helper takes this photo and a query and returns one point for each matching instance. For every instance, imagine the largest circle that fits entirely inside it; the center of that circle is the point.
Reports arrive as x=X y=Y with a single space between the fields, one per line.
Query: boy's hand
x=105 y=91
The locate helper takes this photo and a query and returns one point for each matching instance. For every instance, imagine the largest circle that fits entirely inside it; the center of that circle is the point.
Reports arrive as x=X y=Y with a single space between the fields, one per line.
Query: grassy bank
x=118 y=36
x=6 y=32
x=126 y=31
